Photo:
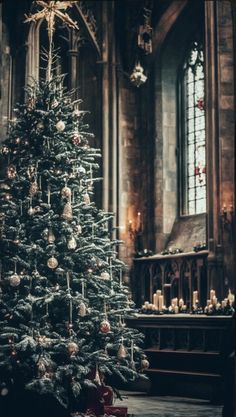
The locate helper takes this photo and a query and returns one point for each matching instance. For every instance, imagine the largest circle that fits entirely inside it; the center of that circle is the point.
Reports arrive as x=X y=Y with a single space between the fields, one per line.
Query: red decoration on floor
x=115 y=411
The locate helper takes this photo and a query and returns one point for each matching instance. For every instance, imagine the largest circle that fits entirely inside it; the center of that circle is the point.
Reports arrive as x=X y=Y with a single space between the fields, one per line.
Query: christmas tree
x=63 y=303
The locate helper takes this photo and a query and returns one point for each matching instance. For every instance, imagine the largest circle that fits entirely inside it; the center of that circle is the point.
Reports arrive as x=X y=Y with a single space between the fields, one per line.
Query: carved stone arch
x=32 y=57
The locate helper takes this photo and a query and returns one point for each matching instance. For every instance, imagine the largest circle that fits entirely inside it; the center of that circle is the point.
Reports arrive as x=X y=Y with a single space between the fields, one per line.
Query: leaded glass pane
x=195 y=147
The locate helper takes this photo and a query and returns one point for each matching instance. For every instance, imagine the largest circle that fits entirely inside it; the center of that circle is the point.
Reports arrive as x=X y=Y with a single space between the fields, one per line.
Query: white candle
x=176 y=309
x=83 y=289
x=208 y=303
x=21 y=207
x=40 y=182
x=68 y=280
x=111 y=269
x=49 y=195
x=160 y=302
x=71 y=307
x=155 y=300
x=195 y=297
x=214 y=300
x=212 y=294
x=139 y=221
x=120 y=276
x=132 y=351
x=181 y=302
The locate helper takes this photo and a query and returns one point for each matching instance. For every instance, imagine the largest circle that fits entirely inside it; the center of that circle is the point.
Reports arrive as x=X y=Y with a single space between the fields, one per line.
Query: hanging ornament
x=17 y=141
x=45 y=234
x=105 y=326
x=145 y=364
x=86 y=199
x=33 y=188
x=14 y=280
x=81 y=170
x=105 y=275
x=5 y=150
x=82 y=310
x=52 y=262
x=3 y=390
x=51 y=237
x=78 y=229
x=66 y=192
x=30 y=103
x=121 y=354
x=72 y=348
x=72 y=244
x=60 y=126
x=67 y=212
x=137 y=77
x=76 y=113
x=76 y=139
x=40 y=126
x=54 y=104
x=11 y=172
x=31 y=211
x=97 y=379
x=41 y=368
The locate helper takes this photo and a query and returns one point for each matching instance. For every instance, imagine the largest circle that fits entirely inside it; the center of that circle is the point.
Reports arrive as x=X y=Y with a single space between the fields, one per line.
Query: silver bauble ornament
x=52 y=262
x=67 y=212
x=14 y=280
x=72 y=244
x=105 y=326
x=82 y=310
x=145 y=364
x=73 y=348
x=121 y=354
x=86 y=199
x=33 y=188
x=60 y=126
x=105 y=275
x=66 y=192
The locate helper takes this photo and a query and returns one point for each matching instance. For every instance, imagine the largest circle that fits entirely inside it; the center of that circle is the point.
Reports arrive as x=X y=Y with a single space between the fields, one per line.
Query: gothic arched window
x=192 y=132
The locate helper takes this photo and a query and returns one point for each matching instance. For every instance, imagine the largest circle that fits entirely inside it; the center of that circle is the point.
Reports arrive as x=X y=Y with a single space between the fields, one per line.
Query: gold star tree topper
x=51 y=10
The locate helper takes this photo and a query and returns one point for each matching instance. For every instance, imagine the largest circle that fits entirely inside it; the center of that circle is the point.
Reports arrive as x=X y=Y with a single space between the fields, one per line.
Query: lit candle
x=40 y=182
x=93 y=228
x=111 y=269
x=181 y=302
x=214 y=300
x=195 y=297
x=139 y=221
x=91 y=172
x=176 y=309
x=212 y=294
x=208 y=303
x=21 y=207
x=155 y=302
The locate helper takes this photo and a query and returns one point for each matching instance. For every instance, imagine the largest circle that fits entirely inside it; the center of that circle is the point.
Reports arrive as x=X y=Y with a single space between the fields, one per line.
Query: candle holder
x=227 y=219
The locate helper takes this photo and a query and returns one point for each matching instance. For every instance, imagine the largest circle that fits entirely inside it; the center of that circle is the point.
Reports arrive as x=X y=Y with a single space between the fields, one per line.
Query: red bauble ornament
x=196 y=170
x=105 y=326
x=76 y=139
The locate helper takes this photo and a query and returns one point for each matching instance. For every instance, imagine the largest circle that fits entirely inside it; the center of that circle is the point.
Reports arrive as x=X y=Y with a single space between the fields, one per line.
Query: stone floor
x=150 y=406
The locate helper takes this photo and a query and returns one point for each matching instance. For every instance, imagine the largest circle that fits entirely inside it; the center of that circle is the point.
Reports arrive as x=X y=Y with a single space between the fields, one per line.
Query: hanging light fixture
x=137 y=77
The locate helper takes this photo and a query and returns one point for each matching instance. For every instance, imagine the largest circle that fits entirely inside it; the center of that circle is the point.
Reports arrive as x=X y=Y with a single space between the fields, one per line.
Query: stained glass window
x=193 y=132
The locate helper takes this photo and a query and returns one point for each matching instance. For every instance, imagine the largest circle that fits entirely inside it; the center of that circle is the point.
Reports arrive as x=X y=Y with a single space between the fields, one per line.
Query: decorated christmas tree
x=63 y=303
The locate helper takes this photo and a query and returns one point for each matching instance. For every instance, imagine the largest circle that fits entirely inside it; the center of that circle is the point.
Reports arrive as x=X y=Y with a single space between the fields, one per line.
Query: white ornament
x=105 y=275
x=72 y=243
x=78 y=229
x=31 y=211
x=52 y=263
x=121 y=354
x=66 y=192
x=67 y=212
x=14 y=280
x=51 y=236
x=145 y=364
x=86 y=199
x=82 y=310
x=73 y=348
x=60 y=126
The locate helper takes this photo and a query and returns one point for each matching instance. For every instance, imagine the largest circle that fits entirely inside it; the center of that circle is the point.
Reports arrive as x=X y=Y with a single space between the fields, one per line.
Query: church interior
x=152 y=248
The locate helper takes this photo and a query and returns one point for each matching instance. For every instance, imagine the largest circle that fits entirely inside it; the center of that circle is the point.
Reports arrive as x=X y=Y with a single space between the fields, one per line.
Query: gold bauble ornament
x=60 y=126
x=121 y=354
x=72 y=244
x=11 y=172
x=105 y=275
x=33 y=188
x=52 y=262
x=105 y=326
x=145 y=364
x=14 y=280
x=67 y=212
x=82 y=310
x=66 y=192
x=73 y=348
